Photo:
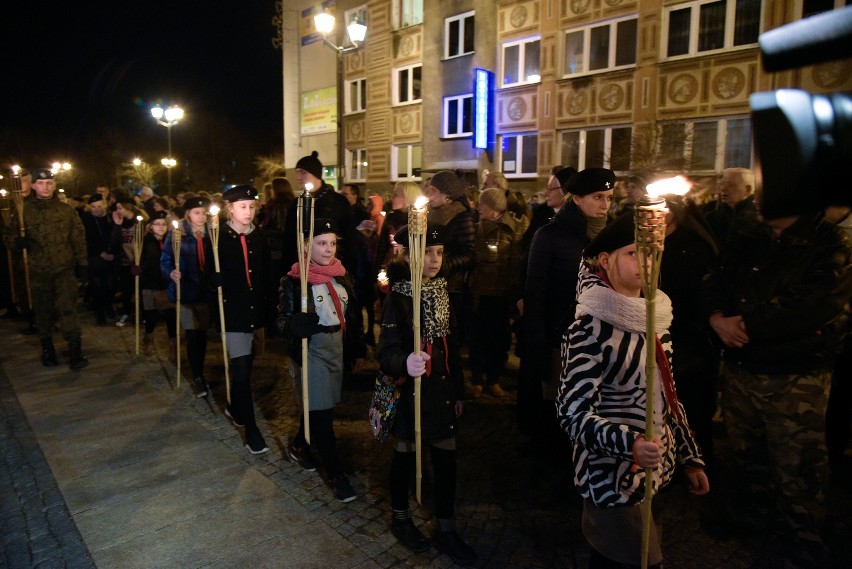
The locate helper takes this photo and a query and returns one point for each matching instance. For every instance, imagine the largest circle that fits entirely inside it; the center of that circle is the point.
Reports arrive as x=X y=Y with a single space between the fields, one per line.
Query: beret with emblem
x=239 y=193
x=590 y=180
x=158 y=215
x=435 y=235
x=42 y=174
x=322 y=225
x=95 y=198
x=198 y=201
x=620 y=233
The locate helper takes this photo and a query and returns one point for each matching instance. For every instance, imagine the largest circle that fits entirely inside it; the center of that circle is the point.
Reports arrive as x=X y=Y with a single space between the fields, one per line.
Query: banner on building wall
x=319 y=111
x=307 y=31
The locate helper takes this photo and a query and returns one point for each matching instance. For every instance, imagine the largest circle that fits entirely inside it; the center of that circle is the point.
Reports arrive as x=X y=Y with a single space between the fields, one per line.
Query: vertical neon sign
x=483 y=126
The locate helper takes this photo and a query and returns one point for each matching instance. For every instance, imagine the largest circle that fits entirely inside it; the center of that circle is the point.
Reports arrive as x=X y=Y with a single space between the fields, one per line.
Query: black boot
x=48 y=353
x=76 y=354
x=404 y=530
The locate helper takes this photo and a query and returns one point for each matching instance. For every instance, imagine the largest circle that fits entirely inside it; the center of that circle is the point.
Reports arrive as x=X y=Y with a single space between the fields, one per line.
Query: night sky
x=76 y=72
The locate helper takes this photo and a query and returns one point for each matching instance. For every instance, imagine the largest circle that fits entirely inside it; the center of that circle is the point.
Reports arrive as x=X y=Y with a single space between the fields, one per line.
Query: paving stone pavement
x=516 y=511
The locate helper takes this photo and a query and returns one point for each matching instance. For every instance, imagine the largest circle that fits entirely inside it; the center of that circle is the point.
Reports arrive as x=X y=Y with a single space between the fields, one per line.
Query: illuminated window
x=356 y=95
x=519 y=155
x=406 y=84
x=356 y=165
x=521 y=62
x=405 y=162
x=710 y=25
x=596 y=148
x=458 y=116
x=458 y=35
x=600 y=47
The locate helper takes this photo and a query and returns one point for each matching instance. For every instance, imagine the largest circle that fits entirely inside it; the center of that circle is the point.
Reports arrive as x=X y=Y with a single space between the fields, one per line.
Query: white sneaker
x=121 y=322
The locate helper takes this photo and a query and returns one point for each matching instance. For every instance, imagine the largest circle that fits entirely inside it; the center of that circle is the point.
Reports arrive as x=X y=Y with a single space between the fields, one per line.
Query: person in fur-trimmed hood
x=601 y=401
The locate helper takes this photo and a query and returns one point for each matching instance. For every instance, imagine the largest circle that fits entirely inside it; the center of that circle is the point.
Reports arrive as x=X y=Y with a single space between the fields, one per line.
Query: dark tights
x=196 y=349
x=153 y=316
x=444 y=467
x=323 y=439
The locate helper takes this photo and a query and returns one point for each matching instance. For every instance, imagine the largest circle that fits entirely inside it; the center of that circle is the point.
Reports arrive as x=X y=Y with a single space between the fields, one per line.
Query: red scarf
x=325 y=274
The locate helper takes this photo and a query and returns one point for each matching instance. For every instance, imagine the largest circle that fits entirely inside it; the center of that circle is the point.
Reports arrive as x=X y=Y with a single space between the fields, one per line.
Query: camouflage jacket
x=57 y=240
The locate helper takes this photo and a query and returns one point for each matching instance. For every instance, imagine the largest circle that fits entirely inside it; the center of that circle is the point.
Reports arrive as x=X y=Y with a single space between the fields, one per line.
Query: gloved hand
x=304 y=324
x=82 y=272
x=21 y=243
x=416 y=365
x=215 y=280
x=135 y=270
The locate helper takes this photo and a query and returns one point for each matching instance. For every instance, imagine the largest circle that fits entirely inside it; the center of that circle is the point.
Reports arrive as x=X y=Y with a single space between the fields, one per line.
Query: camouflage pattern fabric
x=775 y=424
x=56 y=295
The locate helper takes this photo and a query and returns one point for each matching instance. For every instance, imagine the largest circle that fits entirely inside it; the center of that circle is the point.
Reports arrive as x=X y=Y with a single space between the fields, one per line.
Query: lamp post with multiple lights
x=168 y=118
x=324 y=23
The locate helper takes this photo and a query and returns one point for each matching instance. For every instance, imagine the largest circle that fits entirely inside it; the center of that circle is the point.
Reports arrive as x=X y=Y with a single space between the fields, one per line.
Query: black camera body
x=801 y=140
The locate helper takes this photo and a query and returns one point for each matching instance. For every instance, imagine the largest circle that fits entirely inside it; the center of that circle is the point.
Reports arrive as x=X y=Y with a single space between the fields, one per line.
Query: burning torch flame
x=677 y=186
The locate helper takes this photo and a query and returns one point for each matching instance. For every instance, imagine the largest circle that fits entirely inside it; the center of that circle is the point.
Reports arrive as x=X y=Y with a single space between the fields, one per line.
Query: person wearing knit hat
x=491 y=284
x=449 y=206
x=327 y=203
x=243 y=262
x=601 y=402
x=554 y=256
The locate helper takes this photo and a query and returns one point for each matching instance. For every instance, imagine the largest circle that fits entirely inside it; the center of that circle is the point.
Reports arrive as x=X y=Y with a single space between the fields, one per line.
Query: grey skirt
x=616 y=533
x=325 y=372
x=195 y=316
x=239 y=343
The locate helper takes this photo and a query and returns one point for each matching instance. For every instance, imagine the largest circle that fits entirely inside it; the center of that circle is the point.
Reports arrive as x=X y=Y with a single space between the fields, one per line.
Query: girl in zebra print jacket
x=601 y=402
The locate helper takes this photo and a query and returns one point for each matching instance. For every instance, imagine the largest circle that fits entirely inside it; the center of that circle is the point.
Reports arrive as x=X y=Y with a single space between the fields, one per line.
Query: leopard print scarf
x=434 y=307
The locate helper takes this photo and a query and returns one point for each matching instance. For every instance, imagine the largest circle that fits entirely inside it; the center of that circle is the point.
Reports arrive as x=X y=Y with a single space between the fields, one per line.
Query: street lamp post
x=168 y=118
x=324 y=23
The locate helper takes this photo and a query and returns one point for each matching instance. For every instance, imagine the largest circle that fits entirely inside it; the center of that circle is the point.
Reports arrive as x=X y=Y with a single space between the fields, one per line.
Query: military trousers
x=776 y=427
x=55 y=298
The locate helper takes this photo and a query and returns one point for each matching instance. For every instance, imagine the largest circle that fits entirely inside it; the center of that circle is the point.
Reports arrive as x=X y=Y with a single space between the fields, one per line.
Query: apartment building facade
x=633 y=85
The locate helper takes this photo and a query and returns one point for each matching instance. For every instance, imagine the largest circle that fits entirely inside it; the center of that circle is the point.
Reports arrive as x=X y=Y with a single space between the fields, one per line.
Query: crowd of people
x=751 y=308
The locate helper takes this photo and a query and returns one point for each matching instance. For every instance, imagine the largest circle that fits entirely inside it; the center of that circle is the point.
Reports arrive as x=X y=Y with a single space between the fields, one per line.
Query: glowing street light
x=169 y=163
x=324 y=23
x=168 y=118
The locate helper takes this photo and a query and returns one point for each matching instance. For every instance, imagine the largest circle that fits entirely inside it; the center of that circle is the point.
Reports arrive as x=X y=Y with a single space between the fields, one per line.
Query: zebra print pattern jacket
x=602 y=397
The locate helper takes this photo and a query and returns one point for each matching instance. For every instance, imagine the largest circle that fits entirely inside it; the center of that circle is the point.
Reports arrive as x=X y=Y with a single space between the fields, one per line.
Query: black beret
x=620 y=233
x=95 y=198
x=42 y=174
x=564 y=175
x=448 y=183
x=239 y=193
x=322 y=225
x=590 y=180
x=435 y=235
x=158 y=215
x=198 y=201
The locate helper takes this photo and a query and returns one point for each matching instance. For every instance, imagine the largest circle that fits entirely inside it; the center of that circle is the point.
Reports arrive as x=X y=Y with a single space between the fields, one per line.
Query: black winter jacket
x=792 y=292
x=440 y=390
x=329 y=204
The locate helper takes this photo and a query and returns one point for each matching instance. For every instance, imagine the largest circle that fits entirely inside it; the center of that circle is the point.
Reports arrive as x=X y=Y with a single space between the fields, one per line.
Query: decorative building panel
x=354 y=131
x=517 y=109
x=408 y=45
x=518 y=19
x=407 y=124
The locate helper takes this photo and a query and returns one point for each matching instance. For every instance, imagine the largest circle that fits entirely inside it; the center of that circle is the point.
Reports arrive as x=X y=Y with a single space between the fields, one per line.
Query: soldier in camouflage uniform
x=20 y=305
x=777 y=302
x=56 y=245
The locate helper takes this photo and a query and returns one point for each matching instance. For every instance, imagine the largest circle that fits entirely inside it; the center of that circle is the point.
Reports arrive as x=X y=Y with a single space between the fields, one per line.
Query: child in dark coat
x=439 y=365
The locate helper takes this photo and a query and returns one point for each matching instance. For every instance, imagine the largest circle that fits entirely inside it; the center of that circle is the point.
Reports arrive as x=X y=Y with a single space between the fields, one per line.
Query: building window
x=519 y=155
x=406 y=84
x=813 y=7
x=596 y=148
x=521 y=62
x=407 y=13
x=358 y=15
x=356 y=95
x=600 y=47
x=710 y=25
x=458 y=35
x=405 y=161
x=458 y=116
x=356 y=165
x=711 y=145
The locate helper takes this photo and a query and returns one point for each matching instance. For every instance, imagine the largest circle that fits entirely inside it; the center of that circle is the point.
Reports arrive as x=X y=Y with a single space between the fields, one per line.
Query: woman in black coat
x=153 y=284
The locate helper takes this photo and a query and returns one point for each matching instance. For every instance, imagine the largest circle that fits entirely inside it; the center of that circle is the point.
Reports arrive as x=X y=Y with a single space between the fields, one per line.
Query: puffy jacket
x=192 y=288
